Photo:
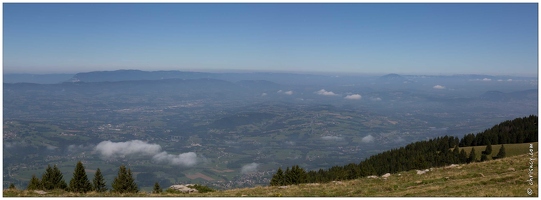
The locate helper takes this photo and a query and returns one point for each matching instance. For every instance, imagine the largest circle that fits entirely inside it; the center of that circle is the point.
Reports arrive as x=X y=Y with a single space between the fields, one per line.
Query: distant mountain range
x=283 y=78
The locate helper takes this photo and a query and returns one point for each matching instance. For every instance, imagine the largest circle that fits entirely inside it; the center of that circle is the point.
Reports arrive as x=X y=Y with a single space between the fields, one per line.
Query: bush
x=202 y=188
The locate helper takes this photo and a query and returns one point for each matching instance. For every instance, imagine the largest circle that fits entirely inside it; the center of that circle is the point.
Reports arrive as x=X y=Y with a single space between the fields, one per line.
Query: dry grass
x=491 y=178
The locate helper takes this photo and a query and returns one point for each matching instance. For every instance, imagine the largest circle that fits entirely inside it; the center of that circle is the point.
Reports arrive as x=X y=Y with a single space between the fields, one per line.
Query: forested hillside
x=436 y=152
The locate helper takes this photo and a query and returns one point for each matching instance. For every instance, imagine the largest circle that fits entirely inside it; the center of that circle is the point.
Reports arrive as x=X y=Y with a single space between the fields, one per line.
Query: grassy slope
x=490 y=178
x=510 y=149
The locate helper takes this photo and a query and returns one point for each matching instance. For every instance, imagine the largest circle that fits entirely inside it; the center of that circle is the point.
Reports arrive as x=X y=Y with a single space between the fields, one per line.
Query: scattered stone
x=243 y=195
x=418 y=182
x=372 y=176
x=312 y=184
x=183 y=188
x=451 y=166
x=399 y=174
x=338 y=182
x=446 y=178
x=385 y=175
x=283 y=187
x=419 y=172
x=511 y=169
x=40 y=192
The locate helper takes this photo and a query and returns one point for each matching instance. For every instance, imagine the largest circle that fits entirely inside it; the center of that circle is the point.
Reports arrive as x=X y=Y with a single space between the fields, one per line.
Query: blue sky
x=494 y=39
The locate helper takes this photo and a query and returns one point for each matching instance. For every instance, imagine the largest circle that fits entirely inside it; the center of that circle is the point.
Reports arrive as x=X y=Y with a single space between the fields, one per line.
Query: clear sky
x=492 y=39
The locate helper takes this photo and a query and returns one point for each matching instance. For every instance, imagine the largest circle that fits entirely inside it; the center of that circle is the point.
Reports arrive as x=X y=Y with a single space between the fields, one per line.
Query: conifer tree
x=463 y=157
x=99 y=182
x=501 y=153
x=157 y=188
x=456 y=155
x=53 y=179
x=79 y=182
x=473 y=156
x=488 y=149
x=124 y=182
x=287 y=177
x=12 y=187
x=35 y=183
x=277 y=178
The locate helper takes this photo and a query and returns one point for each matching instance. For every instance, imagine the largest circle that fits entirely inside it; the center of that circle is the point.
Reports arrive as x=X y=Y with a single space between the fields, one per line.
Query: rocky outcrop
x=385 y=175
x=183 y=188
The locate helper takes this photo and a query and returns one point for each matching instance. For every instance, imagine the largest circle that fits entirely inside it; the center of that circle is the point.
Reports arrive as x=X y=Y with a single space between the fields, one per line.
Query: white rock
x=183 y=188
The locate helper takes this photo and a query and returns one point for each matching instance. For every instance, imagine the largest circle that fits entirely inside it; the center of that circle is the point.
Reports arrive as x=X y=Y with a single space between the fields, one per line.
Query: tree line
x=53 y=179
x=437 y=152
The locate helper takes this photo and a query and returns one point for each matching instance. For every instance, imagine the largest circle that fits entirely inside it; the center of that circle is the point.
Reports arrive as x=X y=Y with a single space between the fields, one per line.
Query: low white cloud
x=290 y=143
x=264 y=94
x=438 y=87
x=487 y=79
x=368 y=139
x=325 y=93
x=331 y=138
x=509 y=80
x=184 y=159
x=289 y=92
x=108 y=149
x=279 y=91
x=353 y=97
x=375 y=99
x=249 y=168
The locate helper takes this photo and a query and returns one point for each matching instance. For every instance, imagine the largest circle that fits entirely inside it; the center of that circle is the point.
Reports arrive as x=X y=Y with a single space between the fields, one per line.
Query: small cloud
x=290 y=143
x=331 y=138
x=289 y=92
x=438 y=87
x=487 y=79
x=109 y=149
x=183 y=159
x=279 y=91
x=264 y=94
x=249 y=168
x=500 y=80
x=375 y=99
x=353 y=96
x=509 y=80
x=368 y=139
x=325 y=93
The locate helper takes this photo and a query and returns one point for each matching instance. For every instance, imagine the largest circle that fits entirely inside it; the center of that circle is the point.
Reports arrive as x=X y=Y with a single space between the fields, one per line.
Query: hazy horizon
x=352 y=38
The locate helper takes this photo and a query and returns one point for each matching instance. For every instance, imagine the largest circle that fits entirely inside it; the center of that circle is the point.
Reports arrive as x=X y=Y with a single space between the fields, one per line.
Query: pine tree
x=35 y=183
x=501 y=153
x=473 y=156
x=463 y=157
x=79 y=182
x=157 y=188
x=277 y=178
x=132 y=186
x=99 y=182
x=12 y=187
x=456 y=155
x=488 y=149
x=124 y=182
x=287 y=177
x=53 y=179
